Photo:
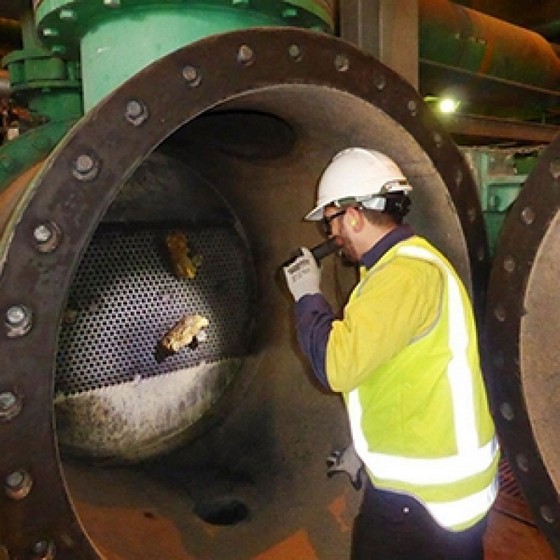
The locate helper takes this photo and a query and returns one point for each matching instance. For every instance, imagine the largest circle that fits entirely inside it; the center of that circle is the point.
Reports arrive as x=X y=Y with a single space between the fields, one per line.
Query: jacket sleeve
x=390 y=308
x=314 y=318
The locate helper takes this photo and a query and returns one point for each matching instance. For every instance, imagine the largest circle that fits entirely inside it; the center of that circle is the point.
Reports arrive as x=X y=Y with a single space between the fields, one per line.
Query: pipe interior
x=222 y=454
x=539 y=340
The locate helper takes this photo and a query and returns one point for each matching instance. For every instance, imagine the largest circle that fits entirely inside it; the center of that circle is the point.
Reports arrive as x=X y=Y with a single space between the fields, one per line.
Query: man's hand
x=303 y=275
x=346 y=461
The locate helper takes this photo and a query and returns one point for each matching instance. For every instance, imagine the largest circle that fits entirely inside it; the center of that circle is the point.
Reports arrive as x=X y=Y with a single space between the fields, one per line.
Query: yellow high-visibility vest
x=405 y=357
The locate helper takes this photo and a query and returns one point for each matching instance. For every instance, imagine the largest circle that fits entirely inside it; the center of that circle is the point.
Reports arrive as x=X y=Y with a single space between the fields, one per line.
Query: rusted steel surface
x=522 y=339
x=331 y=95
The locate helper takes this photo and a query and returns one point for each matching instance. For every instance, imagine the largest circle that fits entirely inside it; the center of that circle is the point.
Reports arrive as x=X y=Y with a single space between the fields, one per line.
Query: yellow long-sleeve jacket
x=405 y=357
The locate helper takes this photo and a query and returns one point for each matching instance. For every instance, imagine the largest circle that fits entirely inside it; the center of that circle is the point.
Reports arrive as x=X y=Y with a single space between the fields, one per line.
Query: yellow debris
x=183 y=263
x=184 y=333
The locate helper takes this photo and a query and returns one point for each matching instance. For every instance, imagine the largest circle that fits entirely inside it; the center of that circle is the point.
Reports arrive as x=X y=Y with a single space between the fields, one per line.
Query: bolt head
x=16 y=315
x=10 y=405
x=134 y=109
x=245 y=55
x=18 y=321
x=7 y=400
x=86 y=168
x=18 y=485
x=42 y=233
x=136 y=112
x=84 y=163
x=67 y=15
x=191 y=75
x=15 y=480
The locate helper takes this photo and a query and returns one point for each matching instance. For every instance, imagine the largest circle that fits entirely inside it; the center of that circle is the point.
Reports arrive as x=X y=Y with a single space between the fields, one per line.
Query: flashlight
x=331 y=245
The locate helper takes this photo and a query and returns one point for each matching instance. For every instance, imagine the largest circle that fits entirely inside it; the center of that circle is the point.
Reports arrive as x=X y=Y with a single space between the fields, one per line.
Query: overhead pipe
x=481 y=58
x=465 y=39
x=542 y=17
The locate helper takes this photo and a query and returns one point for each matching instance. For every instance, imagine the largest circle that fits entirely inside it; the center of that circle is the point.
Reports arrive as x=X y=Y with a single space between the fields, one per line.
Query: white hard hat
x=358 y=175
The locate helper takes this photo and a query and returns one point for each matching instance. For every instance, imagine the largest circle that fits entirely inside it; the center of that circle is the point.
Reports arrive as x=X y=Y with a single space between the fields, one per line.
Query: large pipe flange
x=258 y=114
x=522 y=340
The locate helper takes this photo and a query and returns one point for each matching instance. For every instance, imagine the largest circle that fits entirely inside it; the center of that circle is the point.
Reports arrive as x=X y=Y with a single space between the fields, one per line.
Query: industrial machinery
x=157 y=161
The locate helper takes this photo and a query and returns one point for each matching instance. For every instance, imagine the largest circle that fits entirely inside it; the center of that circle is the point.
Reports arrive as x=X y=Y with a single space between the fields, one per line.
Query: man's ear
x=355 y=219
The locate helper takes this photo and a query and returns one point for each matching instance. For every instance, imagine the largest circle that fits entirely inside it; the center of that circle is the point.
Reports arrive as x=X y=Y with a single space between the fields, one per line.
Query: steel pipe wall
x=258 y=133
x=521 y=340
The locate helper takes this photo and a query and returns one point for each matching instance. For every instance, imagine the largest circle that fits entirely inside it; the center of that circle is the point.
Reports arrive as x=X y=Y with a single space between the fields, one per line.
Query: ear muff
x=397 y=205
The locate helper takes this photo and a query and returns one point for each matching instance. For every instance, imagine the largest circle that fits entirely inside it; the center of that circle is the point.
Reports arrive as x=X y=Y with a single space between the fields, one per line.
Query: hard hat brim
x=316 y=214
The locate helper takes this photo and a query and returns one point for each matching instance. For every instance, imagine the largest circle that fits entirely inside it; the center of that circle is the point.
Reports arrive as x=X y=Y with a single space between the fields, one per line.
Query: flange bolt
x=245 y=55
x=136 y=112
x=10 y=405
x=86 y=168
x=43 y=550
x=18 y=321
x=192 y=75
x=47 y=236
x=18 y=485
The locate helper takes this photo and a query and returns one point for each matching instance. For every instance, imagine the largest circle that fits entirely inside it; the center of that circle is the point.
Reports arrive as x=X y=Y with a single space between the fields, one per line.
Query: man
x=405 y=358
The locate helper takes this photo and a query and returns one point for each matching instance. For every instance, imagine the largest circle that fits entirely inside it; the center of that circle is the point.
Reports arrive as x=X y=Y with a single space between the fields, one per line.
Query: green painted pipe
x=44 y=83
x=116 y=39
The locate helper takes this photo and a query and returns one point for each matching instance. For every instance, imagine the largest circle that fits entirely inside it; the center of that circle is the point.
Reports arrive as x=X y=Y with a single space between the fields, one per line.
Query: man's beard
x=347 y=253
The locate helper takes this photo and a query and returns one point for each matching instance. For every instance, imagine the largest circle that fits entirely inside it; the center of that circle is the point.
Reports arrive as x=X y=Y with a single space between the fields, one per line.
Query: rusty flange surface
x=520 y=277
x=80 y=181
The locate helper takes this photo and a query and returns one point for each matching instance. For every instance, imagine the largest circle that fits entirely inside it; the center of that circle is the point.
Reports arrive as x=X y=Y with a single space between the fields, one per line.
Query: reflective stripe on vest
x=412 y=470
x=470 y=459
x=449 y=514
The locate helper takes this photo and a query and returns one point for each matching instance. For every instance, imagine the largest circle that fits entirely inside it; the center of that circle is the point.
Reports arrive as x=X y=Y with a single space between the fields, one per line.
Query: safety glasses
x=326 y=221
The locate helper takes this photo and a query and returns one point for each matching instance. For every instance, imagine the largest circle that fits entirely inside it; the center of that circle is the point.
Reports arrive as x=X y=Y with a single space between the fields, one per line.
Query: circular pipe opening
x=269 y=191
x=265 y=436
x=521 y=341
x=135 y=370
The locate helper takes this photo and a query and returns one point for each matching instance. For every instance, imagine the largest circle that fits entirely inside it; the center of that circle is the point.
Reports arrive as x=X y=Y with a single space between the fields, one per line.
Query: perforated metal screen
x=125 y=298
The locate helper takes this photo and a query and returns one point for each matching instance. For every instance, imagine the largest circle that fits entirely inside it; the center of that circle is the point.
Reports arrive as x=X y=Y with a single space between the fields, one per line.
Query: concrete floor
x=149 y=533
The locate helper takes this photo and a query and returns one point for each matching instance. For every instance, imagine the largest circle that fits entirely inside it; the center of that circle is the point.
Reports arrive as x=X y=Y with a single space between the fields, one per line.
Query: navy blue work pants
x=392 y=526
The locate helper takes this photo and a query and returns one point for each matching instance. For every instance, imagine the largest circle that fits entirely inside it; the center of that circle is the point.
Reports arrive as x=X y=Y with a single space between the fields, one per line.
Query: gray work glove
x=346 y=461
x=303 y=275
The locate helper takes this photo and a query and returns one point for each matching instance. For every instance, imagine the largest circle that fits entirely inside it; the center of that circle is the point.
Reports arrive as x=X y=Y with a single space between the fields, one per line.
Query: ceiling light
x=448 y=105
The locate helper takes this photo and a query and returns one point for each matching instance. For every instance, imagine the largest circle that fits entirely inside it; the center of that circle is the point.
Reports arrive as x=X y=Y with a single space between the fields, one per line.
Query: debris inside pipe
x=186 y=332
x=183 y=263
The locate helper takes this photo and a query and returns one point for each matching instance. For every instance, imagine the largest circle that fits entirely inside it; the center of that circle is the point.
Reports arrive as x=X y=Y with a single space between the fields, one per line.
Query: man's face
x=335 y=225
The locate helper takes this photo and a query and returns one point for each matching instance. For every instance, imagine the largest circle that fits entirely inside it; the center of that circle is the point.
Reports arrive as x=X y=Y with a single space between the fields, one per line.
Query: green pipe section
x=49 y=88
x=115 y=39
x=28 y=149
x=47 y=85
x=500 y=174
